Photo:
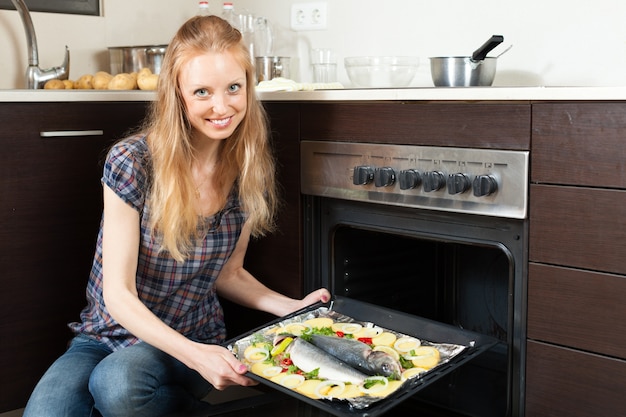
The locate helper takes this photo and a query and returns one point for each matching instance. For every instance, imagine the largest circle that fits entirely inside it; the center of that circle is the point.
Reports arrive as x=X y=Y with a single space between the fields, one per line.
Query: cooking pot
x=461 y=71
x=270 y=67
x=133 y=58
x=466 y=71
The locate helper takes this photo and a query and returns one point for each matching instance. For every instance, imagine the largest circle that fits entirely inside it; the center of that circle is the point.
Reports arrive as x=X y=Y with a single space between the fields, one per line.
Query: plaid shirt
x=182 y=295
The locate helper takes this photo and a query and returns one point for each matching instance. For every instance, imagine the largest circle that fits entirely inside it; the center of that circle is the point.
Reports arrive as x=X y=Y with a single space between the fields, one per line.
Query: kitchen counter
x=402 y=94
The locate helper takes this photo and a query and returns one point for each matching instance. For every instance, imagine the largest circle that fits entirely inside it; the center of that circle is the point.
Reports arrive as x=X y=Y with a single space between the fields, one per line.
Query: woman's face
x=213 y=86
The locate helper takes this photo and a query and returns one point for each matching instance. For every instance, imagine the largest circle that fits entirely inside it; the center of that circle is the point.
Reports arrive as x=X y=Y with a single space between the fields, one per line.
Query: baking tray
x=474 y=344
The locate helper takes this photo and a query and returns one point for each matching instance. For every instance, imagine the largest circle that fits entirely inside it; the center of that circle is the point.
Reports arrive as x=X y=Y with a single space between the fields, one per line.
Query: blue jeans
x=91 y=380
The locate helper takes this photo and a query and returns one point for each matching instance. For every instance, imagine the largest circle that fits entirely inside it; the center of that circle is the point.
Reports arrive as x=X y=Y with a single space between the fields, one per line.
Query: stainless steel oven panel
x=328 y=167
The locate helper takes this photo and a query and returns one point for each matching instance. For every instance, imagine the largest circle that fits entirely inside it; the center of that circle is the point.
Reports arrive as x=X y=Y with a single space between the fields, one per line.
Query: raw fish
x=309 y=358
x=358 y=355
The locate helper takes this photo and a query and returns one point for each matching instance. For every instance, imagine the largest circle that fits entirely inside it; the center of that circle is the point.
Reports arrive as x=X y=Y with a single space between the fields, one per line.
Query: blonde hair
x=245 y=158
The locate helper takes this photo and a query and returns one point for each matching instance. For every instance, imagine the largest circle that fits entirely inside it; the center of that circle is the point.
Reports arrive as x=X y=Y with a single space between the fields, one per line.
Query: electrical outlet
x=309 y=16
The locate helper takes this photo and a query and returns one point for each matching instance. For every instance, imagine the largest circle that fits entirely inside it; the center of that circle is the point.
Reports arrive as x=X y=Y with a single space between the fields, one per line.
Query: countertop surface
x=402 y=94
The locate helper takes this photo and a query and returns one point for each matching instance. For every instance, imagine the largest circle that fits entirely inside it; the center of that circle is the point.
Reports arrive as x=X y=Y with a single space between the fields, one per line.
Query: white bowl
x=381 y=71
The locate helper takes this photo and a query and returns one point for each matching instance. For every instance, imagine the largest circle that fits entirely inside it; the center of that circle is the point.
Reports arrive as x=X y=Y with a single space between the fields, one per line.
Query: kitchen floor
x=228 y=403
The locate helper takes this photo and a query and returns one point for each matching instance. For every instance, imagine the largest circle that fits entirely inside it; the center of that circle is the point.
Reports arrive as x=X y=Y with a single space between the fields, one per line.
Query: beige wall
x=556 y=42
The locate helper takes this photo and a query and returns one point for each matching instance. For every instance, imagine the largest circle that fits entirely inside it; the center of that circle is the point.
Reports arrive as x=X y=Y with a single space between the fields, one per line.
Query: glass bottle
x=203 y=8
x=228 y=14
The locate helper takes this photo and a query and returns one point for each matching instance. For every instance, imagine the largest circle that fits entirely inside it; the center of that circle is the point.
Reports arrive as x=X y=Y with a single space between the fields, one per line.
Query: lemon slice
x=280 y=348
x=389 y=350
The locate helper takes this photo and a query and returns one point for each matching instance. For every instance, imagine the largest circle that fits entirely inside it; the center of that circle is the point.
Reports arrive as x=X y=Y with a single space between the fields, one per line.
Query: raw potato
x=144 y=71
x=147 y=82
x=69 y=84
x=85 y=82
x=101 y=80
x=122 y=81
x=54 y=85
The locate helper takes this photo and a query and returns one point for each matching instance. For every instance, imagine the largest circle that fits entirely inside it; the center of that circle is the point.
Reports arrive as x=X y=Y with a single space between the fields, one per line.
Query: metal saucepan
x=133 y=58
x=466 y=71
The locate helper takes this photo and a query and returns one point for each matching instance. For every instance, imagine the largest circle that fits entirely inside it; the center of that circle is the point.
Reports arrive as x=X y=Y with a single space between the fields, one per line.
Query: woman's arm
x=239 y=286
x=121 y=231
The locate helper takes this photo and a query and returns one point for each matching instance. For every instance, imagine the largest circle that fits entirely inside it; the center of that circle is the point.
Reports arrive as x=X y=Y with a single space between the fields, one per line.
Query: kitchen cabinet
x=577 y=274
x=466 y=125
x=50 y=208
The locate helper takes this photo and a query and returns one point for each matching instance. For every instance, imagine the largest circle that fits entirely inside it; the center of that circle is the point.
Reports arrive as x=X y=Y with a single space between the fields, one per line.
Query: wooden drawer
x=564 y=382
x=27 y=120
x=579 y=144
x=581 y=309
x=480 y=125
x=579 y=227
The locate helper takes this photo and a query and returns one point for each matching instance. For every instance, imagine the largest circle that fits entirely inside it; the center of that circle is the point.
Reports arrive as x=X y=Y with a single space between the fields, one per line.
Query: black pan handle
x=481 y=53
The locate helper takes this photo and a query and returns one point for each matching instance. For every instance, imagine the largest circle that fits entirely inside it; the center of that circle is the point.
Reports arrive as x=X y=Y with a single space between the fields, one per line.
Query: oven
x=438 y=232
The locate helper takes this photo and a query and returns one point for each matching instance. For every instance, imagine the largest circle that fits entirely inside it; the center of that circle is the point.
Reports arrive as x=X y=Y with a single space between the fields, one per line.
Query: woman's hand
x=321 y=294
x=220 y=368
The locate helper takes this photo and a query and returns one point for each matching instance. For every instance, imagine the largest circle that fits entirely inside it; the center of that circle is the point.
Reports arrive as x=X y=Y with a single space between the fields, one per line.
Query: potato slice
x=309 y=388
x=426 y=357
x=319 y=322
x=384 y=339
x=350 y=391
x=391 y=387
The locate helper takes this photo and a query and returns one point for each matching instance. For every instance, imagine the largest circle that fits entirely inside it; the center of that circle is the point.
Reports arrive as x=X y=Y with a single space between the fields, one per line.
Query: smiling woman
x=84 y=7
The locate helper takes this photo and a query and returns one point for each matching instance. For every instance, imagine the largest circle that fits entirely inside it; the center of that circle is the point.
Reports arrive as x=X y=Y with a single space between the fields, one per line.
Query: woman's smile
x=221 y=122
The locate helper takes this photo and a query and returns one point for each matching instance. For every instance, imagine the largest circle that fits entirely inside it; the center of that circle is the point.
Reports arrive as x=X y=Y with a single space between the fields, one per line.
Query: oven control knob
x=484 y=185
x=384 y=177
x=409 y=179
x=362 y=175
x=458 y=183
x=433 y=181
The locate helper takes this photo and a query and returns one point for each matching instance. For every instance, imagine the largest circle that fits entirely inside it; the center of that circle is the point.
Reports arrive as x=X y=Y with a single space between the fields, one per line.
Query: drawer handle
x=65 y=133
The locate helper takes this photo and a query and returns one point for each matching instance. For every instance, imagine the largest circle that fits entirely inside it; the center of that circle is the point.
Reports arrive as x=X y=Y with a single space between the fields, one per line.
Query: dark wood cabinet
x=471 y=125
x=50 y=206
x=576 y=360
x=50 y=209
x=276 y=259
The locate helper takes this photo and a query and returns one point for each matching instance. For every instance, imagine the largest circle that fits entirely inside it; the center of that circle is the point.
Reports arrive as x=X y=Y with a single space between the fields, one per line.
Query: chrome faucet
x=36 y=77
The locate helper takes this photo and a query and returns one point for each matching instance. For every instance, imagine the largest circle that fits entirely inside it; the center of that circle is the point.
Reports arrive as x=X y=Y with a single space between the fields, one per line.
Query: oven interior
x=456 y=269
x=465 y=285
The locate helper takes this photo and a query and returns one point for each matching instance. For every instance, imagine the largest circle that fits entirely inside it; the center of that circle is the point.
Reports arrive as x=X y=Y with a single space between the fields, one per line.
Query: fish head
x=384 y=363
